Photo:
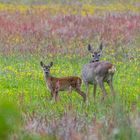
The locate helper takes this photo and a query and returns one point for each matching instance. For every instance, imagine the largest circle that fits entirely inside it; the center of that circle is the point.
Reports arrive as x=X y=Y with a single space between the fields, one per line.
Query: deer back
x=64 y=83
x=101 y=69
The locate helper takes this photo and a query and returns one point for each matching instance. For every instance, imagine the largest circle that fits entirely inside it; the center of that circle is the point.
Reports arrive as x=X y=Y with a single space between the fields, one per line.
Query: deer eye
x=93 y=55
x=98 y=54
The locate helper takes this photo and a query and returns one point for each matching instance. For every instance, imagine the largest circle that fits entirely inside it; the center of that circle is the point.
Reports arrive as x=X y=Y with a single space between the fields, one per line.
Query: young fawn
x=97 y=72
x=61 y=84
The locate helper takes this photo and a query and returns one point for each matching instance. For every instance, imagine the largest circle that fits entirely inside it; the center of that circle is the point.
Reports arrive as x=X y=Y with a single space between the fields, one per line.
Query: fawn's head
x=95 y=54
x=46 y=68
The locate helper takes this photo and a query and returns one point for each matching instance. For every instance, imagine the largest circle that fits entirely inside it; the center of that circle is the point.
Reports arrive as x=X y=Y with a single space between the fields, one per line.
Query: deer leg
x=111 y=87
x=94 y=92
x=56 y=96
x=70 y=89
x=101 y=84
x=78 y=90
x=51 y=95
x=87 y=89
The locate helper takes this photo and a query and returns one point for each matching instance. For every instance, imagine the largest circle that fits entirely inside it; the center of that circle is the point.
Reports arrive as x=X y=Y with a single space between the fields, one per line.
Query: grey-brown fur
x=96 y=73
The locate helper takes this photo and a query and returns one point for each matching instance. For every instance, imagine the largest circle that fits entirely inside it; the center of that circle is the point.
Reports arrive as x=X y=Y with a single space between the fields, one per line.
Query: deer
x=98 y=72
x=61 y=84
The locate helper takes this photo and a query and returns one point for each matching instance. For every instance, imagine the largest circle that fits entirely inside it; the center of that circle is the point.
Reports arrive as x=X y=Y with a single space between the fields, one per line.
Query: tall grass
x=29 y=37
x=70 y=2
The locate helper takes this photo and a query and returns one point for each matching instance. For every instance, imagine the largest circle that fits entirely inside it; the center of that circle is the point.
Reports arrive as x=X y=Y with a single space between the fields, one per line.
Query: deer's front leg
x=51 y=95
x=56 y=96
x=70 y=89
x=94 y=91
x=87 y=89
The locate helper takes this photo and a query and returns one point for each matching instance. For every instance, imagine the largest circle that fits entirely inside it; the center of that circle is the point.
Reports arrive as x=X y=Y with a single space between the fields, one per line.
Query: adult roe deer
x=61 y=84
x=97 y=72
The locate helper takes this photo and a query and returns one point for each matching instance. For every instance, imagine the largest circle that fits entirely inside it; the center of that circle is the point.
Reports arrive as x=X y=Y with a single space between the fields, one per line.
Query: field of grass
x=61 y=33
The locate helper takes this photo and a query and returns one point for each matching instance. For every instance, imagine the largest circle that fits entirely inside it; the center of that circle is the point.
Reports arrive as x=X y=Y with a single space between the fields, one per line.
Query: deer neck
x=47 y=76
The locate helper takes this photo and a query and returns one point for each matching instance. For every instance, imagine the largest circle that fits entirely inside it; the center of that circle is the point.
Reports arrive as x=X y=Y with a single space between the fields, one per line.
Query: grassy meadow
x=61 y=33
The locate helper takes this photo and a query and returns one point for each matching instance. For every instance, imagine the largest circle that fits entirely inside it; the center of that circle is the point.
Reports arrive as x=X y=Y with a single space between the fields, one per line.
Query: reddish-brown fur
x=62 y=84
x=66 y=83
x=72 y=81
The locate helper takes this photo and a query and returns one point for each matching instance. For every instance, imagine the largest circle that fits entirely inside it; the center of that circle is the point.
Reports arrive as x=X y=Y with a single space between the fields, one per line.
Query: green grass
x=22 y=82
x=26 y=111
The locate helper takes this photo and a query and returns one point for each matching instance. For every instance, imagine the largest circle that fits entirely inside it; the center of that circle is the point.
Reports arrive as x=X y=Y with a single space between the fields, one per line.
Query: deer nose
x=46 y=72
x=96 y=60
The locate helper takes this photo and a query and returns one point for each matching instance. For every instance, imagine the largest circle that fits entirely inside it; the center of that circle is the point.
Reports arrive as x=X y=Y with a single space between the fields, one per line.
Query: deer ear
x=101 y=47
x=90 y=49
x=41 y=63
x=51 y=63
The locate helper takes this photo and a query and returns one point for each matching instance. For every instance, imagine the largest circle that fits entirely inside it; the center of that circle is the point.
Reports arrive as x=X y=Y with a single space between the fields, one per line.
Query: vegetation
x=29 y=35
x=36 y=2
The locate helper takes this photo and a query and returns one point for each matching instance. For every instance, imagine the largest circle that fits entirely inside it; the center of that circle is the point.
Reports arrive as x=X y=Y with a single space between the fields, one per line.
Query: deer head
x=95 y=54
x=46 y=68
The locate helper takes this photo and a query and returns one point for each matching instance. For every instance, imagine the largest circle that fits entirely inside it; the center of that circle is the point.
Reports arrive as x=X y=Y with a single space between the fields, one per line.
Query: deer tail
x=112 y=69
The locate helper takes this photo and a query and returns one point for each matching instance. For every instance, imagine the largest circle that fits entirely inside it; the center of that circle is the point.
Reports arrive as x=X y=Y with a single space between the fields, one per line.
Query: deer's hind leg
x=101 y=84
x=110 y=83
x=94 y=91
x=78 y=90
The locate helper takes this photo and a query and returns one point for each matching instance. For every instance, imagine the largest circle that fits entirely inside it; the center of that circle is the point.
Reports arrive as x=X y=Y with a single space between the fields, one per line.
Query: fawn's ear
x=90 y=49
x=51 y=63
x=101 y=47
x=41 y=63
